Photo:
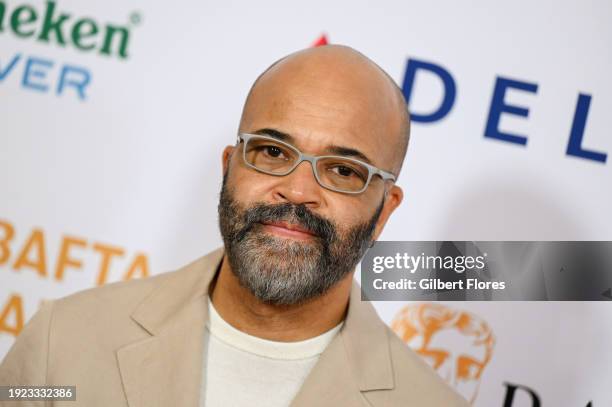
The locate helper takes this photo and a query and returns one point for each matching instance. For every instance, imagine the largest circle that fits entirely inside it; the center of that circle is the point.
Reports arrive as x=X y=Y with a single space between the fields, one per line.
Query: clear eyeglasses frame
x=337 y=173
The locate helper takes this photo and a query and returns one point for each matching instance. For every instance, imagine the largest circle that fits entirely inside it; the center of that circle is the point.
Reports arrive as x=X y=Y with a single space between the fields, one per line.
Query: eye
x=344 y=171
x=273 y=151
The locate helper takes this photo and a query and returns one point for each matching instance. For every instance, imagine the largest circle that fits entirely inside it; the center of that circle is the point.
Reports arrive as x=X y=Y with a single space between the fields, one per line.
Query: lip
x=288 y=230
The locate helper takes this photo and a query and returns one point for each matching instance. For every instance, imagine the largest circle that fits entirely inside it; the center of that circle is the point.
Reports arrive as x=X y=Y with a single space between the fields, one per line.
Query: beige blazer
x=140 y=344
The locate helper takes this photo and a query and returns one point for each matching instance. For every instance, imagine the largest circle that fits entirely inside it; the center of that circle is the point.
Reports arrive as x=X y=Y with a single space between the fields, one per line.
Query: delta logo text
x=499 y=107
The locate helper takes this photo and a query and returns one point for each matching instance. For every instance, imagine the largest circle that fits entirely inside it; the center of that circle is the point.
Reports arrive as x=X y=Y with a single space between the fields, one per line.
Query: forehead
x=322 y=107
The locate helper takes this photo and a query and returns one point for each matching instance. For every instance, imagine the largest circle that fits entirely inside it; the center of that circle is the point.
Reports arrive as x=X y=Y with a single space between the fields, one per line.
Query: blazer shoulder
x=72 y=323
x=415 y=380
x=83 y=331
x=103 y=315
x=121 y=295
x=124 y=296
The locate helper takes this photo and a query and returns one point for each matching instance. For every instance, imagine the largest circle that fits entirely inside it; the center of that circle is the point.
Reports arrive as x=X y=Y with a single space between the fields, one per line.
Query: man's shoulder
x=415 y=380
x=69 y=336
x=105 y=312
x=120 y=296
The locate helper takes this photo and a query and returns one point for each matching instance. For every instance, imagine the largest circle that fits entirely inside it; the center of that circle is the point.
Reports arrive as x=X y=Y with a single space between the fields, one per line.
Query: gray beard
x=285 y=271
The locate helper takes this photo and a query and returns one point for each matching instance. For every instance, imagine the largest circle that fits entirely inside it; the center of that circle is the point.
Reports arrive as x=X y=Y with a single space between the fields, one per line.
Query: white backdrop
x=133 y=168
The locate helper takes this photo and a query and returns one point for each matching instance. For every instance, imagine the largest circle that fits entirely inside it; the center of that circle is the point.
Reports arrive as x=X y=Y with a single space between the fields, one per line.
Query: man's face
x=321 y=110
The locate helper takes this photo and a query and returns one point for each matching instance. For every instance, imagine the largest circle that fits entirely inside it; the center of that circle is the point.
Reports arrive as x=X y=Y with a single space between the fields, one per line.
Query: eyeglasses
x=341 y=174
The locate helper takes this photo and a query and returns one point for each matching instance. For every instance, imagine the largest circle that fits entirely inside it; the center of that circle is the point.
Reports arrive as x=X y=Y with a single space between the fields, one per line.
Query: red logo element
x=322 y=40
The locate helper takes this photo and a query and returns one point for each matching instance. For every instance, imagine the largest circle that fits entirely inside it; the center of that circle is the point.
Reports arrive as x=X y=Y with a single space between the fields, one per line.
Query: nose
x=299 y=187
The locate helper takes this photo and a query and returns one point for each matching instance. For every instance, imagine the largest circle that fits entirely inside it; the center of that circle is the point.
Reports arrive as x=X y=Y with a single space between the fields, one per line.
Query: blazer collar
x=366 y=340
x=174 y=314
x=164 y=368
x=181 y=288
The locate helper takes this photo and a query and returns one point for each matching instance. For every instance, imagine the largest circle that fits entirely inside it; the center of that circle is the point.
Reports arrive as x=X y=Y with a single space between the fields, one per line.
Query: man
x=273 y=318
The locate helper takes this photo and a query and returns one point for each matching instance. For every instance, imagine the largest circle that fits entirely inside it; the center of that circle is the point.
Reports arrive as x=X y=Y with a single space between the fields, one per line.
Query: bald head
x=336 y=92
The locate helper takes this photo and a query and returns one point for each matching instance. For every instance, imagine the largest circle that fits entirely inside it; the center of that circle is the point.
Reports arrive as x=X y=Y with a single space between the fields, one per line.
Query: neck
x=284 y=323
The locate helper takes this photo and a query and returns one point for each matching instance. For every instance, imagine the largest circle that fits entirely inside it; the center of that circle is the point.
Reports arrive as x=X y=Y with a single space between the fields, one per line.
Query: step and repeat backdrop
x=113 y=116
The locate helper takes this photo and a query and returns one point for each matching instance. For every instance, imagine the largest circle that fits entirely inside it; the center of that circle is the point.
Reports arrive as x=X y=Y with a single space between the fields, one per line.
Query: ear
x=395 y=195
x=226 y=157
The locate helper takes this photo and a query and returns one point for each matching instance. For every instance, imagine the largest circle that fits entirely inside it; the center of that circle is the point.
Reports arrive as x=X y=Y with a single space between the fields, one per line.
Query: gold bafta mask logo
x=457 y=344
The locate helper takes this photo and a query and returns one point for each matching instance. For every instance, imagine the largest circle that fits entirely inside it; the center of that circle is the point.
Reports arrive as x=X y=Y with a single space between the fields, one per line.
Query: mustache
x=299 y=215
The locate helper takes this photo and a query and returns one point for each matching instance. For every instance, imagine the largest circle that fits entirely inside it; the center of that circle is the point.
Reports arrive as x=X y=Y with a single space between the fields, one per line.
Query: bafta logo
x=457 y=344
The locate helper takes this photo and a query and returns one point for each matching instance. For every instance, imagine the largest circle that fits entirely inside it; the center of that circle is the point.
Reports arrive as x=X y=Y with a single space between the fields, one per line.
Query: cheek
x=250 y=186
x=347 y=212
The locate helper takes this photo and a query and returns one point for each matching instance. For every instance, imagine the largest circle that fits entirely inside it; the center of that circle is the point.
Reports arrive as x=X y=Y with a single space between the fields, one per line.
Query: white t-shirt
x=243 y=370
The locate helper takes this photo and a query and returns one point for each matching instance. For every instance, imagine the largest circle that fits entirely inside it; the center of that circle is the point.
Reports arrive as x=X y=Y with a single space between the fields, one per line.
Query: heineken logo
x=55 y=26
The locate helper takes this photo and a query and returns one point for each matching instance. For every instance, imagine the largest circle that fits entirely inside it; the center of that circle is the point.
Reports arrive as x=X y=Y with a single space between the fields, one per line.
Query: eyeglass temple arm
x=385 y=175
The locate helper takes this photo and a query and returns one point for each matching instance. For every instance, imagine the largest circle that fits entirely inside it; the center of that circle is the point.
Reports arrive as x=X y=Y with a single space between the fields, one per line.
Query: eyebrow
x=333 y=149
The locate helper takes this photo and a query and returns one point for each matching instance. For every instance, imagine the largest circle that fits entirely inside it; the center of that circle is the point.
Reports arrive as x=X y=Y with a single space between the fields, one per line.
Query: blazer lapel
x=330 y=383
x=165 y=368
x=357 y=360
